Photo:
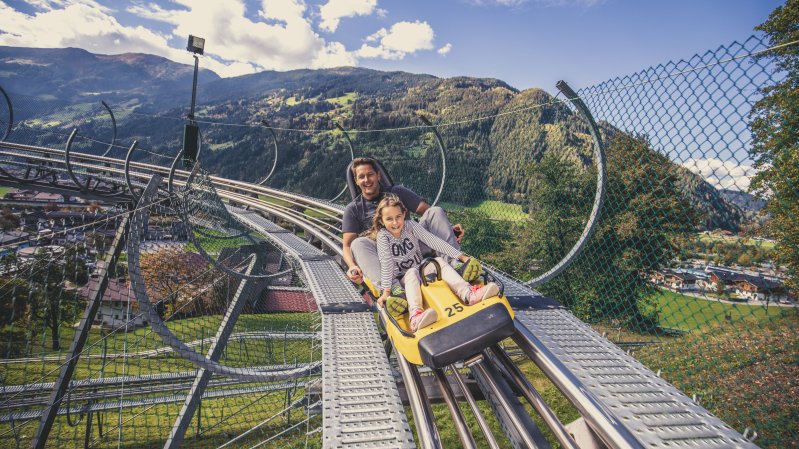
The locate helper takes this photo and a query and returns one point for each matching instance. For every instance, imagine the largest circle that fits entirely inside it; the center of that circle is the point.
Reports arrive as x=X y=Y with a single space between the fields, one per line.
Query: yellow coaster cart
x=461 y=330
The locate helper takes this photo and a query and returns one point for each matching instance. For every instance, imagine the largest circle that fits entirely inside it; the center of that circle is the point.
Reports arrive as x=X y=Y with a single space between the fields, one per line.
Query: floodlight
x=196 y=44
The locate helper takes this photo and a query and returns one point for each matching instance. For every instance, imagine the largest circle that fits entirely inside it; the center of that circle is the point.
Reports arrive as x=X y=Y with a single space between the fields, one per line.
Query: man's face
x=368 y=180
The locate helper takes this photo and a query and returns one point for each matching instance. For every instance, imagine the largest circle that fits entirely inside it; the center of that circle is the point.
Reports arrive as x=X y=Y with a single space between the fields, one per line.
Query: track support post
x=68 y=368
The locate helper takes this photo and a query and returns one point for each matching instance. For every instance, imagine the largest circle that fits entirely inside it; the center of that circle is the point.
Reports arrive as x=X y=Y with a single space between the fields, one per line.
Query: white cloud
x=83 y=24
x=723 y=174
x=334 y=55
x=403 y=38
x=334 y=10
x=281 y=36
x=445 y=49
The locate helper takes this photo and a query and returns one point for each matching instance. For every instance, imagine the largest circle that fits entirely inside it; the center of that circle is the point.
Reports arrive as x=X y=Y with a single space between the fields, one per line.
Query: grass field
x=253 y=351
x=691 y=314
x=293 y=101
x=709 y=238
x=744 y=372
x=148 y=426
x=496 y=210
x=343 y=100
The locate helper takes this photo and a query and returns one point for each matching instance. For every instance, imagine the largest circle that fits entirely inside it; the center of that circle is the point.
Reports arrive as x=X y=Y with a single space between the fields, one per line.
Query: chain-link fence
x=694 y=257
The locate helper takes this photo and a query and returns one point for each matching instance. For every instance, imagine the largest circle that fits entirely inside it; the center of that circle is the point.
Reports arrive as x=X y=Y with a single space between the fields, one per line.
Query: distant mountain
x=74 y=76
x=493 y=137
x=745 y=201
x=715 y=211
x=327 y=83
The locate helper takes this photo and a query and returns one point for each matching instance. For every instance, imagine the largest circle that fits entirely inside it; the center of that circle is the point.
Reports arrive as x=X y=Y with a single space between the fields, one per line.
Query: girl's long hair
x=389 y=200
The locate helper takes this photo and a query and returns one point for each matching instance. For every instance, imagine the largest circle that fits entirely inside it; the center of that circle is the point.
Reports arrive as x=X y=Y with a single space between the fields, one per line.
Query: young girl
x=399 y=254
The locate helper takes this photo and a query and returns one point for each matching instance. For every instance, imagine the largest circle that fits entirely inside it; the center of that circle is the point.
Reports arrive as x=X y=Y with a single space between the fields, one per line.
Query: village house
x=677 y=279
x=33 y=220
x=724 y=276
x=47 y=197
x=760 y=289
x=118 y=306
x=30 y=252
x=12 y=240
x=747 y=286
x=20 y=195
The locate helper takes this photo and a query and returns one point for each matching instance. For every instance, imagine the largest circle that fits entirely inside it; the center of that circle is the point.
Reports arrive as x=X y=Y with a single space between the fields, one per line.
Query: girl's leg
x=418 y=317
x=455 y=282
x=463 y=289
x=413 y=290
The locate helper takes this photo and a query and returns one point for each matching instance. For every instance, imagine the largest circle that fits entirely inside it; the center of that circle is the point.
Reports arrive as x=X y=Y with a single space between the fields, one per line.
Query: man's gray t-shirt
x=360 y=211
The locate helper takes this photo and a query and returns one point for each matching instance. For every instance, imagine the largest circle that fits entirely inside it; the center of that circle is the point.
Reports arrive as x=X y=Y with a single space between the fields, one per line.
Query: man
x=360 y=253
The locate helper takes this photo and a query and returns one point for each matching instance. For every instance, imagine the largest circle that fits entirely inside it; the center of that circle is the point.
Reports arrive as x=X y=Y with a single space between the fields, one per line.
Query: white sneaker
x=423 y=318
x=486 y=291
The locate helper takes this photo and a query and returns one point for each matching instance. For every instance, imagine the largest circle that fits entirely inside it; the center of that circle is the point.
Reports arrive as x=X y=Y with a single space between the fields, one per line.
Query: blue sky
x=527 y=43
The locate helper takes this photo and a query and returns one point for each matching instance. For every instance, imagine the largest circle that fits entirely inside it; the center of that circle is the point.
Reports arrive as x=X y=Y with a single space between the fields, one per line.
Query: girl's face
x=393 y=219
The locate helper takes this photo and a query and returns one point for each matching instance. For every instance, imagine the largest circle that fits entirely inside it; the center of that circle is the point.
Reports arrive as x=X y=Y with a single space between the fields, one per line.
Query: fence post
x=68 y=369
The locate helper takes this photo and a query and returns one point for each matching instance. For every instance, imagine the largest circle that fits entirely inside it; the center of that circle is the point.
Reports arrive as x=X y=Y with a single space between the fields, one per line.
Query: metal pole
x=113 y=128
x=492 y=442
x=440 y=142
x=352 y=156
x=194 y=87
x=274 y=141
x=10 y=125
x=68 y=368
x=194 y=397
x=527 y=439
x=599 y=196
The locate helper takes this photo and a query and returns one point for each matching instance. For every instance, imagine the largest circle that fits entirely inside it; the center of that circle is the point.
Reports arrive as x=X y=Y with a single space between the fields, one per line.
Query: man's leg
x=435 y=220
x=364 y=250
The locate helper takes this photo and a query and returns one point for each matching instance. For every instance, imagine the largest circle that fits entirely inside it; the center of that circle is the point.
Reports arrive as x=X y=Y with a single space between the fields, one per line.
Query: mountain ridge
x=494 y=131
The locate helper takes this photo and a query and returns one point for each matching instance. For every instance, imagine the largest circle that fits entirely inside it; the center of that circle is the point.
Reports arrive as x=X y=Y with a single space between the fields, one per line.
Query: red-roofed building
x=47 y=197
x=118 y=305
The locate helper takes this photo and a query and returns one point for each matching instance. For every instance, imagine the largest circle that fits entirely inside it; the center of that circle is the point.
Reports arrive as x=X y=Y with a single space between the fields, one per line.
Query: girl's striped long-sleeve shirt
x=398 y=255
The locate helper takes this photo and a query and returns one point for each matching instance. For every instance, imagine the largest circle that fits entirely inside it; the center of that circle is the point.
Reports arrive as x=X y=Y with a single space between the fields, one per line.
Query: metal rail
x=449 y=398
x=532 y=396
x=426 y=429
x=609 y=429
x=517 y=424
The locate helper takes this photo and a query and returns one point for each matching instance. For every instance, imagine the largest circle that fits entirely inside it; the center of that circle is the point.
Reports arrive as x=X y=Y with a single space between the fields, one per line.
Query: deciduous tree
x=775 y=132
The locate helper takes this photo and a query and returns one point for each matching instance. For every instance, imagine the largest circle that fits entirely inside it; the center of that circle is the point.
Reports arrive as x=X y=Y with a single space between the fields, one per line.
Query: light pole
x=191 y=132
